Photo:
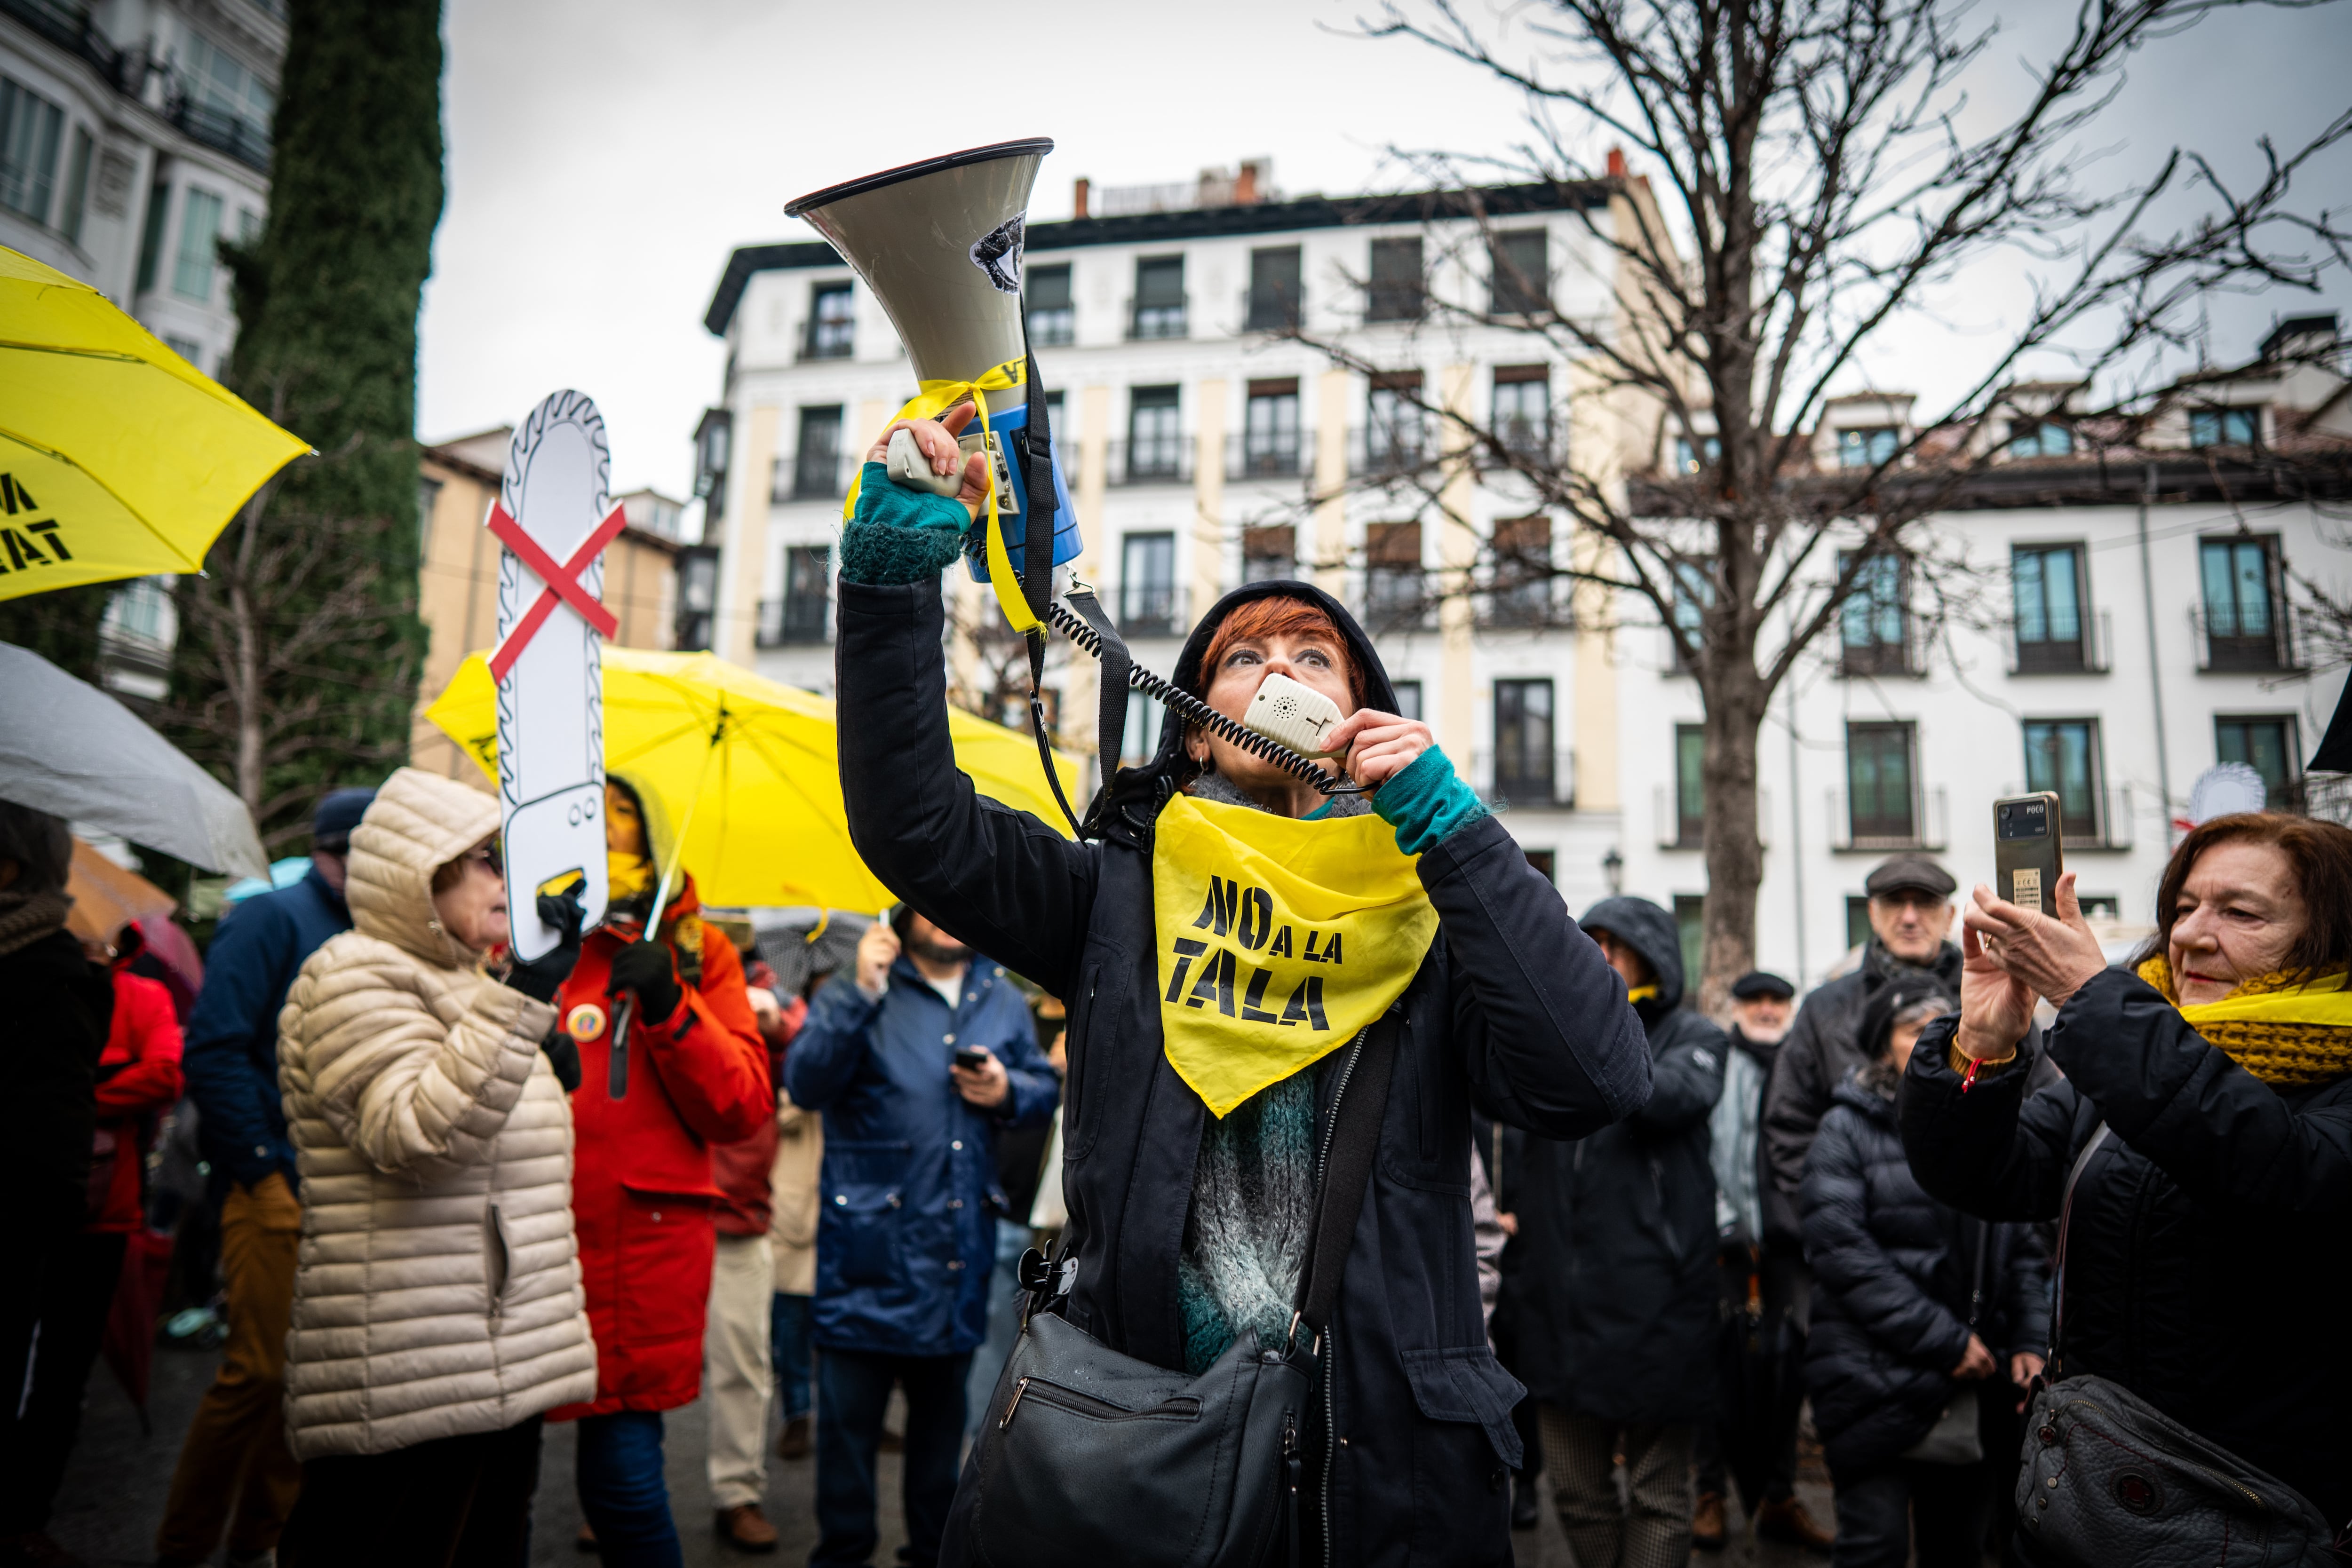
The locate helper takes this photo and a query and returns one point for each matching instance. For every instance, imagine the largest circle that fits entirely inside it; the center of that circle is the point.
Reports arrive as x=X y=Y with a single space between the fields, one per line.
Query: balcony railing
x=1396 y=451
x=1908 y=658
x=2228 y=652
x=1530 y=601
x=800 y=617
x=1925 y=827
x=1149 y=609
x=1145 y=321
x=1157 y=461
x=2092 y=653
x=826 y=344
x=1527 y=792
x=1676 y=832
x=1281 y=454
x=1272 y=309
x=1055 y=329
x=2110 y=823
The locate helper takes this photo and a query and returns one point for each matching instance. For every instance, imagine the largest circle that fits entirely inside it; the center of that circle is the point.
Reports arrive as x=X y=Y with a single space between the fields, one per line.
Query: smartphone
x=970 y=1058
x=2026 y=862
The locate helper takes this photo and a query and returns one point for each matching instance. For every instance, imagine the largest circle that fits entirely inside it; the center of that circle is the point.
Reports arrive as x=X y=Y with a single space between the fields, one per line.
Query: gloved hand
x=544 y=976
x=562 y=1055
x=646 y=968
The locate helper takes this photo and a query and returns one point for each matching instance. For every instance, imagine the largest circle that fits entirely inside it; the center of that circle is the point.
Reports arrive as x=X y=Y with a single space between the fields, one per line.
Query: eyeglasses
x=487 y=854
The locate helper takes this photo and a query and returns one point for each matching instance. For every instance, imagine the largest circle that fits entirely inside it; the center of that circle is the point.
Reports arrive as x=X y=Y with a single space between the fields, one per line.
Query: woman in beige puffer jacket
x=437 y=1303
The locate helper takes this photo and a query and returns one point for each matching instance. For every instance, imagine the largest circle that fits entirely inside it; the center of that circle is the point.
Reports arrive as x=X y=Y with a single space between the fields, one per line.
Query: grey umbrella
x=68 y=748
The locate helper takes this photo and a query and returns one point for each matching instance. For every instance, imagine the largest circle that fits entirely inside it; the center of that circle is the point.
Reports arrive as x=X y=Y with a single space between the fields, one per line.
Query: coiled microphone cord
x=1194 y=711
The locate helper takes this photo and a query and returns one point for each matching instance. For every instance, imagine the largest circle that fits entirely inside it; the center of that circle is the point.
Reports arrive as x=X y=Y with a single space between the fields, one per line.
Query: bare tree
x=1809 y=174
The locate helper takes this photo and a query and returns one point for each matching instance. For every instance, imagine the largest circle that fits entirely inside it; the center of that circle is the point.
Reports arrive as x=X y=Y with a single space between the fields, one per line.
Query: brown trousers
x=235 y=1452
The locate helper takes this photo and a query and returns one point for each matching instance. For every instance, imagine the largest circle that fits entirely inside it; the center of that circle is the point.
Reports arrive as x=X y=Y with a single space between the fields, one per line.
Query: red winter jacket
x=642 y=1195
x=138 y=1076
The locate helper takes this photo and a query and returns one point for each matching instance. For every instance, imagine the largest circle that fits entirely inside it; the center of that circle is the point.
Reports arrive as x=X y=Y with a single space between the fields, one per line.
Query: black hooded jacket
x=1618 y=1296
x=1513 y=1010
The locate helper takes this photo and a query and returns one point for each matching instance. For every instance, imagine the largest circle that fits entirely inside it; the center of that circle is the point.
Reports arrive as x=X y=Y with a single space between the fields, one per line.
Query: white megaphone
x=939 y=243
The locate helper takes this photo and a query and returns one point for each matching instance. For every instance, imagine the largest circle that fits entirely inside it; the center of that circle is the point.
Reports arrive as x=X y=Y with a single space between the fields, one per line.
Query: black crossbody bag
x=2107 y=1477
x=1091 y=1456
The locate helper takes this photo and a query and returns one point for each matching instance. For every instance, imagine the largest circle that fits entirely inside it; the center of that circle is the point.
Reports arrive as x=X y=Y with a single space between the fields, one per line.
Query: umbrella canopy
x=106 y=897
x=770 y=827
x=118 y=458
x=69 y=749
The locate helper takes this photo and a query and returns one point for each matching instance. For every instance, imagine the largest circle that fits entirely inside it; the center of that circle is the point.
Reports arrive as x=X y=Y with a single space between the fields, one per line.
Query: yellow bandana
x=2287 y=1035
x=1278 y=939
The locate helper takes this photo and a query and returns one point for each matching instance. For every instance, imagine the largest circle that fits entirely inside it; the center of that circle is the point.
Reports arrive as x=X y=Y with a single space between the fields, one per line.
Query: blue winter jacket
x=231 y=1058
x=906 y=1228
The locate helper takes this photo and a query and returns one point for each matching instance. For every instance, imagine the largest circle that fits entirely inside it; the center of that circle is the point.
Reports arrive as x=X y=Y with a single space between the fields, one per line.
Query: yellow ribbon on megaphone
x=932 y=399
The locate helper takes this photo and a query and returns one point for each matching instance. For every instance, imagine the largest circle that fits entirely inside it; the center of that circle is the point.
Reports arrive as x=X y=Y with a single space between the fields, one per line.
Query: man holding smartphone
x=916 y=1058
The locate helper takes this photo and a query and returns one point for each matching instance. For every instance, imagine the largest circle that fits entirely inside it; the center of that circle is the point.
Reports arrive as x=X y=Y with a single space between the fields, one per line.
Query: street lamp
x=1612 y=866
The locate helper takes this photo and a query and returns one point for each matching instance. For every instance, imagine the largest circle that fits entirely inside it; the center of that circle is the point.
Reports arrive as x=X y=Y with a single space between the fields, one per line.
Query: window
x=2267 y=745
x=1159 y=297
x=1270 y=429
x=817 y=463
x=1523 y=770
x=1146 y=584
x=1408 y=695
x=808 y=573
x=142 y=612
x=2061 y=755
x=429 y=495
x=1690 y=785
x=217 y=81
x=832 y=323
x=1857 y=921
x=1392 y=573
x=151 y=240
x=187 y=349
x=1522 y=595
x=1872 y=621
x=1522 y=278
x=248 y=226
x=1690 y=932
x=1693 y=593
x=2040 y=438
x=1152 y=449
x=76 y=186
x=698 y=596
x=1273 y=290
x=200 y=227
x=1688 y=461
x=30 y=129
x=2101 y=906
x=2046 y=589
x=1523 y=410
x=1145 y=716
x=2240 y=620
x=1394 y=434
x=1879 y=800
x=1053 y=312
x=2224 y=426
x=1269 y=551
x=1867 y=448
x=1397 y=288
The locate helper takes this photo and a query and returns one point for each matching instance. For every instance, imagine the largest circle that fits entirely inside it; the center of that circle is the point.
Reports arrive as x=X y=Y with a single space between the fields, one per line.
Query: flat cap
x=1760 y=983
x=1909 y=873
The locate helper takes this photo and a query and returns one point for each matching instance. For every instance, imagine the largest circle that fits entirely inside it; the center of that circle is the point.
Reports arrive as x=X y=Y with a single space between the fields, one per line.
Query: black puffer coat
x=1619 y=1286
x=1894 y=1272
x=1514 y=1009
x=60 y=1006
x=2210 y=1259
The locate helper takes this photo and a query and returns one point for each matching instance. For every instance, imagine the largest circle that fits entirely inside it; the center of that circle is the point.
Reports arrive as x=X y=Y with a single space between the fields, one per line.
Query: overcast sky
x=604 y=156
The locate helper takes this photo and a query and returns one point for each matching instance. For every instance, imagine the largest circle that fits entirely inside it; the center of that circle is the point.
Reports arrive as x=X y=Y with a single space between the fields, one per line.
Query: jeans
x=1882 y=1510
x=851 y=1391
x=789 y=1350
x=450 y=1502
x=76 y=1293
x=1003 y=1324
x=622 y=1490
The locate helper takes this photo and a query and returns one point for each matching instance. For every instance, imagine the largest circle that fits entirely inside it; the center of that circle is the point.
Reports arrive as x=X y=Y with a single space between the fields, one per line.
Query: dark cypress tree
x=300 y=648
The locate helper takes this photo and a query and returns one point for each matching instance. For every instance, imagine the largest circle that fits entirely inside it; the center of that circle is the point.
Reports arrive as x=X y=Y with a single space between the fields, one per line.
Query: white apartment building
x=1196 y=441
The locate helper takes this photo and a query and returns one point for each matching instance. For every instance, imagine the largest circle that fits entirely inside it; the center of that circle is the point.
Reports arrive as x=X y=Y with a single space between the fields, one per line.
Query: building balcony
x=1157 y=461
x=1281 y=454
x=1905 y=659
x=802 y=620
x=1678 y=832
x=1151 y=610
x=2089 y=653
x=1272 y=309
x=1054 y=328
x=1391 y=452
x=2109 y=820
x=2229 y=647
x=1146 y=322
x=1923 y=826
x=1516 y=787
x=1532 y=603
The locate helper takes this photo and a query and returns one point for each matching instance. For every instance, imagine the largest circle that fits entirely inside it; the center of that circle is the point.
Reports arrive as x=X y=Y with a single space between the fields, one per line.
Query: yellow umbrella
x=767 y=827
x=118 y=458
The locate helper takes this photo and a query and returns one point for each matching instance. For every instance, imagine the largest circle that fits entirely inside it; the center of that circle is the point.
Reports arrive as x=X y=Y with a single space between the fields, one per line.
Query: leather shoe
x=745 y=1528
x=1786 y=1521
x=792 y=1442
x=1706 y=1522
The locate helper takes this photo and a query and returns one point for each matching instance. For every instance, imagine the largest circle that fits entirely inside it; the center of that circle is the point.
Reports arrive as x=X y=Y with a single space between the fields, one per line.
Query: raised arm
x=825 y=1056
x=1995 y=1151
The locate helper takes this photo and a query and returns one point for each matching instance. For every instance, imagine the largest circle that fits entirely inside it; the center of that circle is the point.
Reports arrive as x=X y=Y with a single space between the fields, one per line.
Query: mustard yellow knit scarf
x=2289 y=1033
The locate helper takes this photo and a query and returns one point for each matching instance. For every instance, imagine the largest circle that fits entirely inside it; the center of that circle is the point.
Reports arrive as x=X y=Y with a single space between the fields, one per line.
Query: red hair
x=1276 y=616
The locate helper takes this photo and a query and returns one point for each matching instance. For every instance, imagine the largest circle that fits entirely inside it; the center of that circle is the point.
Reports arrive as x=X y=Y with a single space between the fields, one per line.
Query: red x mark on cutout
x=562 y=581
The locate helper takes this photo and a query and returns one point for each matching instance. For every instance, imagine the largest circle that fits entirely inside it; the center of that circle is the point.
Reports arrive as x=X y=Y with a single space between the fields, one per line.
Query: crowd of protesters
x=1605 y=1238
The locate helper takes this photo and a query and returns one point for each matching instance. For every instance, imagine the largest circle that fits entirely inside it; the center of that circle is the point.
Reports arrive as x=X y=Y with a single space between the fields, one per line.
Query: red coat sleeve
x=715 y=1067
x=145 y=1023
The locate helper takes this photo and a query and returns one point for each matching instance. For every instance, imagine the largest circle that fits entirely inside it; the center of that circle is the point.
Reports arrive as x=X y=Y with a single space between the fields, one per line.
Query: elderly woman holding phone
x=2200 y=1146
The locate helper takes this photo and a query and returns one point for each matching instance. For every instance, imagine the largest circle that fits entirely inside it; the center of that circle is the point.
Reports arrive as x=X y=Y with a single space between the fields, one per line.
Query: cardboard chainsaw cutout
x=554 y=518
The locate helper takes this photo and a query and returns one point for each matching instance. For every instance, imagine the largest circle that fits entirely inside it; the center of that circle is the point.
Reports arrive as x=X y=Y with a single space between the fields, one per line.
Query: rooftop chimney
x=1616 y=163
x=1078 y=196
x=1245 y=185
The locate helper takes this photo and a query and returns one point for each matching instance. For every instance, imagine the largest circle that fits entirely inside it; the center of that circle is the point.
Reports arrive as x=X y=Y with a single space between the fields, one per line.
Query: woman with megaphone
x=1283 y=1006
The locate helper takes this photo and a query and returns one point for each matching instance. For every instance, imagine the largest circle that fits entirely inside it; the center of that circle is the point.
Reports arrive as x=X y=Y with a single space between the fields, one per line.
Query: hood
x=417 y=823
x=1170 y=762
x=1649 y=931
x=661 y=833
x=1862 y=1090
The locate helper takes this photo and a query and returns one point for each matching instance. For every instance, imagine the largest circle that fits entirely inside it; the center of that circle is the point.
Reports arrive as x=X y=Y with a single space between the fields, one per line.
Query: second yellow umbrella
x=769 y=827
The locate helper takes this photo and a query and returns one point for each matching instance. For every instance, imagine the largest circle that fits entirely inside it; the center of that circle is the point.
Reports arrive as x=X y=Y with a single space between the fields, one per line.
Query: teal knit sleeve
x=898 y=535
x=1427 y=804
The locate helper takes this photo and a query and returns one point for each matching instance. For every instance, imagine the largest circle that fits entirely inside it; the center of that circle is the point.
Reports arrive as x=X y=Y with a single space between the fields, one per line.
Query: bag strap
x=1033 y=446
x=1355 y=1140
x=2065 y=1224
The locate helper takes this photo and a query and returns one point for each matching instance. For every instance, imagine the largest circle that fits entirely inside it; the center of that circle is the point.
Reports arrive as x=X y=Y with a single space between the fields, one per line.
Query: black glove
x=563 y=1055
x=646 y=968
x=542 y=977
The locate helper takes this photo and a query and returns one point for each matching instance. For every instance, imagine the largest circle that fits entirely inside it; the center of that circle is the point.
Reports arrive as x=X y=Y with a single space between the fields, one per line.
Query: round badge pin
x=586 y=1021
